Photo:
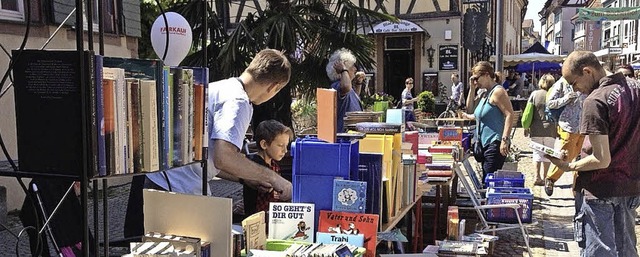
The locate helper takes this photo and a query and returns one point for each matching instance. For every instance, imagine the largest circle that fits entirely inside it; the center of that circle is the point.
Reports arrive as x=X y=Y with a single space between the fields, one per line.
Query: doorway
x=398 y=66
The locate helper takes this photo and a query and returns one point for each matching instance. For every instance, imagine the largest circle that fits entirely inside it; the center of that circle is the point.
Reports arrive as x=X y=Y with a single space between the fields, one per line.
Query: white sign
x=401 y=26
x=615 y=50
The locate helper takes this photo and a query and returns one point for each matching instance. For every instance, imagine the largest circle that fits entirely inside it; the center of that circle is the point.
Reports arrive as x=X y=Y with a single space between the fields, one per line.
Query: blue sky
x=532 y=12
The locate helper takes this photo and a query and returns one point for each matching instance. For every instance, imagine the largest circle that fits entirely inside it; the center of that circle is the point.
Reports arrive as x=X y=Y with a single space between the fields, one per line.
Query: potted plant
x=379 y=102
x=427 y=103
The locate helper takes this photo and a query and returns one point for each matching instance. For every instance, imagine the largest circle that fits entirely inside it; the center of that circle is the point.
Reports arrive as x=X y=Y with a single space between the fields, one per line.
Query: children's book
x=351 y=224
x=349 y=195
x=254 y=228
x=291 y=221
x=334 y=238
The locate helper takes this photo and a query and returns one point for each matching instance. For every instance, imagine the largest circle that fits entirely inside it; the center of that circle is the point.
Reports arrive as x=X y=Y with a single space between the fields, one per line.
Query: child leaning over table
x=272 y=139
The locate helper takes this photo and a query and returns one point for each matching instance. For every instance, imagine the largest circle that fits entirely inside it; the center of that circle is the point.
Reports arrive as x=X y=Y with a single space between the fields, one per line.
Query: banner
x=604 y=14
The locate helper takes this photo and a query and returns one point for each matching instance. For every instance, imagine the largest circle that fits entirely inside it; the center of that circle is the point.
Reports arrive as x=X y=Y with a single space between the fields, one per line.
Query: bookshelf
x=85 y=168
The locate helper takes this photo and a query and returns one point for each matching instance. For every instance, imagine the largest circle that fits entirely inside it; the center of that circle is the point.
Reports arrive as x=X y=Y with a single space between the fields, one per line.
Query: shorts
x=546 y=141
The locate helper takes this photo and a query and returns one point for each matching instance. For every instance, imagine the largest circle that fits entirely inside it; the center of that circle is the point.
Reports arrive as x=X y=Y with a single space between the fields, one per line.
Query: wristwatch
x=344 y=71
x=506 y=139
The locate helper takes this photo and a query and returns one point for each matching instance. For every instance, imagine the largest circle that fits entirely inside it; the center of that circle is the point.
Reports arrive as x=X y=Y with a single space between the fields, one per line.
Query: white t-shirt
x=229 y=113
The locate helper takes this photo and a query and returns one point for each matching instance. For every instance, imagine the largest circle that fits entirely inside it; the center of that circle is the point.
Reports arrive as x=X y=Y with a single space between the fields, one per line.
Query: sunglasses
x=409 y=83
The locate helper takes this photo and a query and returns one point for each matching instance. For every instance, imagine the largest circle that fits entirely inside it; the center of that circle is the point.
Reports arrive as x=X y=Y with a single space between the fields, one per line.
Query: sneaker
x=548 y=186
x=539 y=182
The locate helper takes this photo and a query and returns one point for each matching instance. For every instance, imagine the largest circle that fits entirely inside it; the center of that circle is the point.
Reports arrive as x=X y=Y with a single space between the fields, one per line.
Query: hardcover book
x=349 y=196
x=49 y=111
x=327 y=114
x=291 y=221
x=378 y=127
x=352 y=224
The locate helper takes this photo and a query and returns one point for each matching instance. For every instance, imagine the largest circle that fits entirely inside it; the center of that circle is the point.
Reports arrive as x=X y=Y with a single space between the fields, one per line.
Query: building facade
x=122 y=30
x=529 y=35
x=619 y=38
x=557 y=29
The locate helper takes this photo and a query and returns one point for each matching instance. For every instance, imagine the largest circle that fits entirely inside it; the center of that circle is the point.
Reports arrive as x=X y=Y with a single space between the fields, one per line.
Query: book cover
x=134 y=117
x=254 y=229
x=450 y=134
x=335 y=238
x=178 y=118
x=370 y=170
x=200 y=82
x=327 y=114
x=150 y=161
x=291 y=221
x=352 y=224
x=349 y=196
x=47 y=94
x=378 y=128
x=102 y=162
x=547 y=150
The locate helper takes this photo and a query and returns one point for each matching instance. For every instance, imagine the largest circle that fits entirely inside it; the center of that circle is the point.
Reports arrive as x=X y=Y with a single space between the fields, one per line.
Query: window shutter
x=131 y=20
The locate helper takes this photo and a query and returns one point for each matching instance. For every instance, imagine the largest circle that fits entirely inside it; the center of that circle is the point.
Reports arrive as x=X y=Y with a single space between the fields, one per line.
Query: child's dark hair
x=268 y=130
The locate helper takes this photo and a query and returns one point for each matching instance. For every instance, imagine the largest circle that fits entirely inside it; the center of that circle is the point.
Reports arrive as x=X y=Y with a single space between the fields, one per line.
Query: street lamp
x=430 y=52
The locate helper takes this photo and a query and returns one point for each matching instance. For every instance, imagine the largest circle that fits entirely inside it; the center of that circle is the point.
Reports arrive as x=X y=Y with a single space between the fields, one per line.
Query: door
x=398 y=66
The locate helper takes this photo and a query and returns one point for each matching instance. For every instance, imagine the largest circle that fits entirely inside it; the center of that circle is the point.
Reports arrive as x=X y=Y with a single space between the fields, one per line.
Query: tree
x=308 y=31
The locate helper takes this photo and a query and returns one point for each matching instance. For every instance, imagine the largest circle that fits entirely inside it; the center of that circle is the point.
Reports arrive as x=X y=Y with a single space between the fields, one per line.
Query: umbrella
x=511 y=60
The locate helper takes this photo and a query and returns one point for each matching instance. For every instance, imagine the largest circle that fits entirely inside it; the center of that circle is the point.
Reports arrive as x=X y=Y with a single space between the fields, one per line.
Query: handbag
x=527 y=114
x=478 y=149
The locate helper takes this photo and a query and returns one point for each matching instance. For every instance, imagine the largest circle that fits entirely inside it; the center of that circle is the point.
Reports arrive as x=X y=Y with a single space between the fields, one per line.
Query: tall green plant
x=427 y=102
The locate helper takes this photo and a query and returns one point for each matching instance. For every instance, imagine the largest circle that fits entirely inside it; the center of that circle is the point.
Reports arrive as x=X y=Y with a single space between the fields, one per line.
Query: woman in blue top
x=490 y=115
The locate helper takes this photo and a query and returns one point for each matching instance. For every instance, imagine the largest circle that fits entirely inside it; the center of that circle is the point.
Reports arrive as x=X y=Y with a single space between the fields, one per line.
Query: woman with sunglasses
x=493 y=116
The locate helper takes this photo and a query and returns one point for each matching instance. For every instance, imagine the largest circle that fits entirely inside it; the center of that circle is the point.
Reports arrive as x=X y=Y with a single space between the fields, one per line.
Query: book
x=458 y=247
x=327 y=114
x=102 y=162
x=149 y=112
x=254 y=230
x=349 y=196
x=179 y=243
x=378 y=127
x=547 y=150
x=49 y=111
x=334 y=238
x=450 y=134
x=352 y=224
x=291 y=221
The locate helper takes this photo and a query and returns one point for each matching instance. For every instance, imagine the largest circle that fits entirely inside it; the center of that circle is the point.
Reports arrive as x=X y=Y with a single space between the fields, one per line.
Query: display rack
x=86 y=135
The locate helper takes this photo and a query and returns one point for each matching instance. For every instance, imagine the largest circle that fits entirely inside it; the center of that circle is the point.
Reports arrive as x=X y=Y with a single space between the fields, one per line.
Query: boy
x=272 y=138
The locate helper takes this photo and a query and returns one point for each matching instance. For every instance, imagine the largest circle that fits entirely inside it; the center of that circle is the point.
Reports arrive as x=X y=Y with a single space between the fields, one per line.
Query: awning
x=510 y=60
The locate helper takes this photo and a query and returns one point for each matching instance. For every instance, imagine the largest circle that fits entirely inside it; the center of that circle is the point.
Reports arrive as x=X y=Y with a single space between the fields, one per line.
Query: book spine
x=102 y=164
x=93 y=133
x=161 y=80
x=178 y=117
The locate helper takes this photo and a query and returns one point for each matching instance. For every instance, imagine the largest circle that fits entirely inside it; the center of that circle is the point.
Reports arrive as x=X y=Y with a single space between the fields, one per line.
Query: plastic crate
x=493 y=181
x=312 y=156
x=509 y=195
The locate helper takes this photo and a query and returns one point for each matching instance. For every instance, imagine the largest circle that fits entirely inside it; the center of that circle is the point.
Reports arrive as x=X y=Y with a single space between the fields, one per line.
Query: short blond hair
x=270 y=66
x=546 y=81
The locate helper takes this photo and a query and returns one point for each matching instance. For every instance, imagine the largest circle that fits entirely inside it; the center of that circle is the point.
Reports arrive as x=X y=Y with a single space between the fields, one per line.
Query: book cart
x=87 y=172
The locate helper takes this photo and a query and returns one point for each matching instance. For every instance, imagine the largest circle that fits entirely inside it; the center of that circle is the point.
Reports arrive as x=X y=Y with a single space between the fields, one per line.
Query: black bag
x=478 y=151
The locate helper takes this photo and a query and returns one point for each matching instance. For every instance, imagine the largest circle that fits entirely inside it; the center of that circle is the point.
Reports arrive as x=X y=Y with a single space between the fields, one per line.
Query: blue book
x=349 y=196
x=102 y=163
x=336 y=238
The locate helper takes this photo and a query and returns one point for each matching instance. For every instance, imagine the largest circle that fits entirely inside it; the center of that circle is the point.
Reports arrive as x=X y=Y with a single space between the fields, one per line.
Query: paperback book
x=291 y=221
x=547 y=150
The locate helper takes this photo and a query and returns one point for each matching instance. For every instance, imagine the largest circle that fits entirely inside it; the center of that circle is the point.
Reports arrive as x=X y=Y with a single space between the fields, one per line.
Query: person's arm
x=460 y=94
x=557 y=100
x=471 y=97
x=600 y=158
x=359 y=81
x=235 y=166
x=345 y=79
x=501 y=99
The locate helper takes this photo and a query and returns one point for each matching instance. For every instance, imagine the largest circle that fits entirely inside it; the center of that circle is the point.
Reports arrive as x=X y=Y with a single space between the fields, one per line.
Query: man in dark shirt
x=608 y=182
x=341 y=69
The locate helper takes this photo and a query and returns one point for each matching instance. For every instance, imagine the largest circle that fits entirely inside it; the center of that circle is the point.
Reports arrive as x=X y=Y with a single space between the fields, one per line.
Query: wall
x=65 y=39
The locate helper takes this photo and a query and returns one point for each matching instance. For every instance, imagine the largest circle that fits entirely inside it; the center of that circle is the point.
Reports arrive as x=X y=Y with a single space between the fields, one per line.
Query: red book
x=353 y=224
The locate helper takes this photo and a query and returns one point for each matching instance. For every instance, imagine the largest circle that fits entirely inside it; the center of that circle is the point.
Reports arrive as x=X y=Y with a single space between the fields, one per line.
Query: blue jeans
x=493 y=159
x=605 y=226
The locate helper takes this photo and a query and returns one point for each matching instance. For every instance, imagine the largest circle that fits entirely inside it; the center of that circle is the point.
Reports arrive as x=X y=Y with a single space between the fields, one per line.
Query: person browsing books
x=272 y=138
x=607 y=185
x=341 y=69
x=491 y=114
x=229 y=114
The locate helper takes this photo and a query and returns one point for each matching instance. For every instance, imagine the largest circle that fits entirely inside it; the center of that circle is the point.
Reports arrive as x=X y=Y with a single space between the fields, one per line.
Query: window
x=108 y=8
x=12 y=10
x=398 y=43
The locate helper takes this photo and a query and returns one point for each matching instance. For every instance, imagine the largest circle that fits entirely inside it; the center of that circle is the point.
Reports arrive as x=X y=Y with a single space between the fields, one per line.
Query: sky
x=534 y=7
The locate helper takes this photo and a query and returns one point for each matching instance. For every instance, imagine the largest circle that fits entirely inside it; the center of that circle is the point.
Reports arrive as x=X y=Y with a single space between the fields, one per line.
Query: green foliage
x=427 y=102
x=367 y=101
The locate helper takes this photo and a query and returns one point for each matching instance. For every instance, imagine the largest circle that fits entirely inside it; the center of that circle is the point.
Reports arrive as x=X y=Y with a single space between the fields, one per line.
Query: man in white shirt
x=457 y=91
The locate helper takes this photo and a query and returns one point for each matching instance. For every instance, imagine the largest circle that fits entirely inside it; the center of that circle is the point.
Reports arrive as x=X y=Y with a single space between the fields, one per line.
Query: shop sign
x=448 y=57
x=604 y=14
x=397 y=27
x=615 y=50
